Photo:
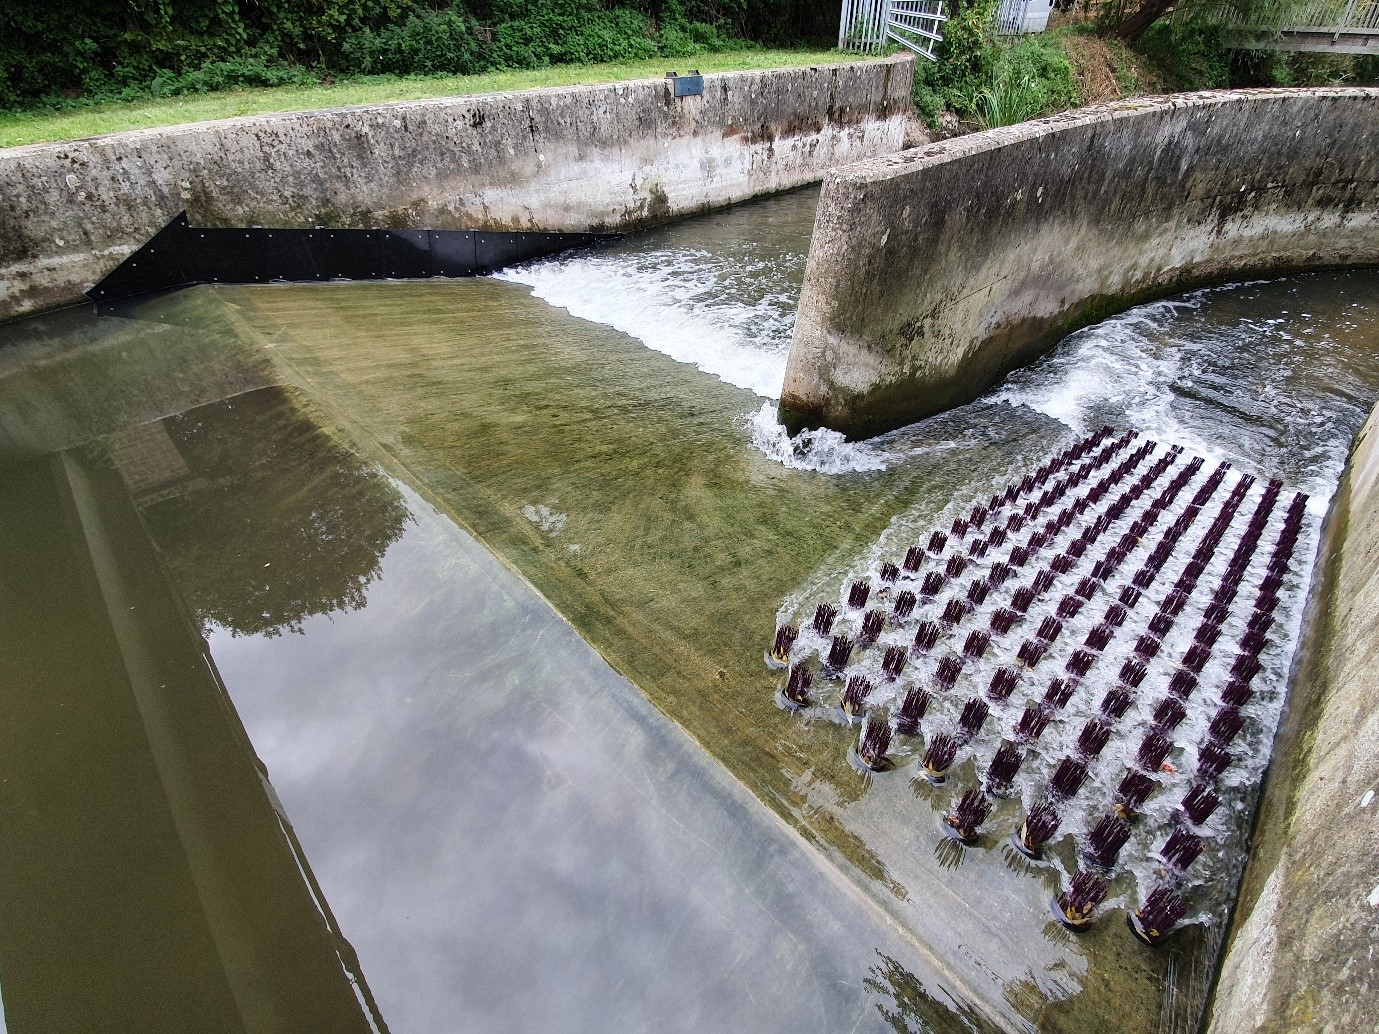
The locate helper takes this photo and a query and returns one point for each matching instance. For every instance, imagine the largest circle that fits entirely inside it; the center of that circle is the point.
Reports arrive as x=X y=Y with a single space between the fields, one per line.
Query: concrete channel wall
x=609 y=158
x=936 y=271
x=1301 y=950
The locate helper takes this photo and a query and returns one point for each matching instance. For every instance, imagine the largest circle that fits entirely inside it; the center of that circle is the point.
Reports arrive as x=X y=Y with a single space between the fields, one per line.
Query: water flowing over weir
x=1144 y=726
x=508 y=833
x=724 y=304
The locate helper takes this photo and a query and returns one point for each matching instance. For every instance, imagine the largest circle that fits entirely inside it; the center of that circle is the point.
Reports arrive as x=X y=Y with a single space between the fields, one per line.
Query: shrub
x=226 y=75
x=1044 y=72
x=1006 y=100
x=1189 y=54
x=426 y=43
x=966 y=59
x=993 y=82
x=565 y=31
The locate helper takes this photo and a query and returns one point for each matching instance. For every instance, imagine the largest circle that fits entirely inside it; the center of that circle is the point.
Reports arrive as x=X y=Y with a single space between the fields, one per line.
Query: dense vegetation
x=992 y=82
x=103 y=50
x=57 y=54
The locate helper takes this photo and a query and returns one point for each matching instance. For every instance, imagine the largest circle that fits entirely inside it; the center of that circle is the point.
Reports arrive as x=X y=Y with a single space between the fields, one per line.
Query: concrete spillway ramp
x=364 y=490
x=481 y=809
x=936 y=271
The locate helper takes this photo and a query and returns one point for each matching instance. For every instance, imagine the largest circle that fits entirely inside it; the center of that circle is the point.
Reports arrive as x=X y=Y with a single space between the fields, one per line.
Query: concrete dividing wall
x=611 y=157
x=1301 y=950
x=936 y=271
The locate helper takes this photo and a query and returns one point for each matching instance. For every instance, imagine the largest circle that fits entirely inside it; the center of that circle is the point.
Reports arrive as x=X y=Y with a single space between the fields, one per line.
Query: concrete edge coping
x=154 y=133
x=916 y=159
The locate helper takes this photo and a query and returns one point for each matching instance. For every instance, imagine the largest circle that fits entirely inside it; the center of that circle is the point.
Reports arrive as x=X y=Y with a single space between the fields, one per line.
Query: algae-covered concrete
x=936 y=271
x=1301 y=951
x=608 y=157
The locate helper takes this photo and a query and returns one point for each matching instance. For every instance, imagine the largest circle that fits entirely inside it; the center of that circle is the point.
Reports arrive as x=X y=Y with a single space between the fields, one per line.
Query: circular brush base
x=953 y=833
x=1033 y=854
x=857 y=762
x=1075 y=925
x=1097 y=865
x=1138 y=929
x=786 y=704
x=773 y=663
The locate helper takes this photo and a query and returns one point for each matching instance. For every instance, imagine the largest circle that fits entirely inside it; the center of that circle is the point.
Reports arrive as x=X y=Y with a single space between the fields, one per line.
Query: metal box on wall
x=689 y=85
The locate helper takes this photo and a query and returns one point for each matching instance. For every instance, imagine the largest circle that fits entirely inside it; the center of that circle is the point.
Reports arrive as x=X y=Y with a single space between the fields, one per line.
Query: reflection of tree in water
x=915 y=1010
x=279 y=521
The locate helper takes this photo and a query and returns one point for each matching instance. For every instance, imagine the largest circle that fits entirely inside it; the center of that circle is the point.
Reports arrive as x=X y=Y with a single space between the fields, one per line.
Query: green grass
x=33 y=127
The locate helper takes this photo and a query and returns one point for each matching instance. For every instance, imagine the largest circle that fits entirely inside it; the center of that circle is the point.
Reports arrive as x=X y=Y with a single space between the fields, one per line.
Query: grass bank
x=33 y=127
x=984 y=82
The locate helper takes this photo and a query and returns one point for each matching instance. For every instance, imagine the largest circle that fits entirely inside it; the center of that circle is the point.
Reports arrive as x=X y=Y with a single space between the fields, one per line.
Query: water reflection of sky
x=511 y=836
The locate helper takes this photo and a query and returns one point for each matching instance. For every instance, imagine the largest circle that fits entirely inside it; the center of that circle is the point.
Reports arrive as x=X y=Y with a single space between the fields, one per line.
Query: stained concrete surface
x=606 y=157
x=936 y=271
x=1301 y=955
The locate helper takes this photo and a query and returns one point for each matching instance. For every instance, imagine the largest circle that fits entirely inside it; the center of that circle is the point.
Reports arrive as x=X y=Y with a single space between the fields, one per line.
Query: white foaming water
x=730 y=316
x=1218 y=867
x=679 y=302
x=821 y=450
x=1147 y=369
x=1120 y=362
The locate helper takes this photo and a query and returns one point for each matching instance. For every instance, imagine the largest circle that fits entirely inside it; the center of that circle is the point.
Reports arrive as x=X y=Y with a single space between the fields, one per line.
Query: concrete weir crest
x=601 y=158
x=936 y=271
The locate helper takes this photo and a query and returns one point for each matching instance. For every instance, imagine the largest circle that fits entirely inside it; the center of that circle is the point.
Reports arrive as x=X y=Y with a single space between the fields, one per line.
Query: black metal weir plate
x=181 y=255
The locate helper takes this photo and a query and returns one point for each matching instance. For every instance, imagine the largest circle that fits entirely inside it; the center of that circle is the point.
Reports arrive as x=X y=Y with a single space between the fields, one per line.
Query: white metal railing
x=1017 y=17
x=862 y=25
x=1010 y=18
x=871 y=25
x=1335 y=17
x=1339 y=17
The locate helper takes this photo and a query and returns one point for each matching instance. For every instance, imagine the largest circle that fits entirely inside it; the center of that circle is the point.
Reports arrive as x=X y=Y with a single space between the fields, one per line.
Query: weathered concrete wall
x=935 y=271
x=610 y=157
x=1301 y=950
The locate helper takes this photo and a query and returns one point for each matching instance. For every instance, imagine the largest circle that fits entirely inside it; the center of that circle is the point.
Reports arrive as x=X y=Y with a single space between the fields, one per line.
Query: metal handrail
x=868 y=25
x=1357 y=17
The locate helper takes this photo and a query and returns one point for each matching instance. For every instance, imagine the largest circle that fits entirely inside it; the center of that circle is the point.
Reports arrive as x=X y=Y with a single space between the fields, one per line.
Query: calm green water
x=329 y=506
x=289 y=750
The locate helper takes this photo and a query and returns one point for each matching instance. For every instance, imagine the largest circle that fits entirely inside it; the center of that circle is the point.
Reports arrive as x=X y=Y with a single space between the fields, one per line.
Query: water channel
x=292 y=723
